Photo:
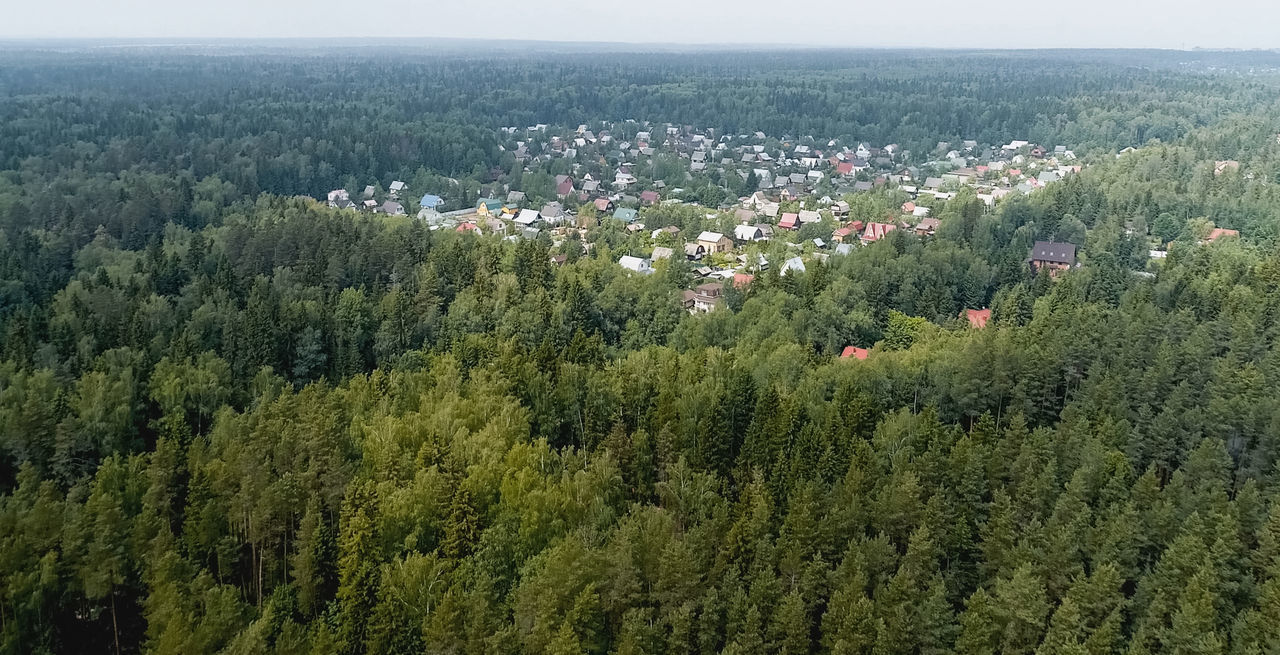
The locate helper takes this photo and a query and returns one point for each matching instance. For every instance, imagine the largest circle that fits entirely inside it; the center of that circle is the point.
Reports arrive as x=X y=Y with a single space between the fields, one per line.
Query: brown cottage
x=1056 y=257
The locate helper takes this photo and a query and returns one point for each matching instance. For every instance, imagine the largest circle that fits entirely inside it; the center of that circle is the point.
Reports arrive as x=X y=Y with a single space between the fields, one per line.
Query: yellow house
x=489 y=207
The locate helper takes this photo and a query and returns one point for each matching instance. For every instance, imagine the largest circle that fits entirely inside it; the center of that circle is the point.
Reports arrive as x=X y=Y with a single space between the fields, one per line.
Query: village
x=730 y=205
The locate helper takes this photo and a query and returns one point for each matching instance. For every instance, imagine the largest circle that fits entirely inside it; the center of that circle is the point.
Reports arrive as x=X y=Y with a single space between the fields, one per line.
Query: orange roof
x=466 y=227
x=859 y=353
x=978 y=317
x=743 y=280
x=908 y=207
x=1218 y=233
x=877 y=231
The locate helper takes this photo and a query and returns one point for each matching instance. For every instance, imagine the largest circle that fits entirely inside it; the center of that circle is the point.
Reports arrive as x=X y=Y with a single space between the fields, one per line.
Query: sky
x=851 y=23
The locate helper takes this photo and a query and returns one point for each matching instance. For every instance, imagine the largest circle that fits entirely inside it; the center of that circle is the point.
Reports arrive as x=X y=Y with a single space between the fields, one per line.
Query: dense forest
x=235 y=420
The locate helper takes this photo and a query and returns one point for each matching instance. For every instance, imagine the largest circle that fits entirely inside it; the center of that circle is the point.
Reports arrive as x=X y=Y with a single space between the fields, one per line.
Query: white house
x=794 y=264
x=635 y=264
x=527 y=217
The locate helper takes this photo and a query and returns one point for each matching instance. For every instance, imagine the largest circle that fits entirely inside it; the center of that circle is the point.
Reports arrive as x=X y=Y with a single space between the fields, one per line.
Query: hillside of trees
x=233 y=420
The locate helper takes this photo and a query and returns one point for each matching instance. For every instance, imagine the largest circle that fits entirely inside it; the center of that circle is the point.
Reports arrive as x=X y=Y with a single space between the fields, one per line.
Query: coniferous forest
x=235 y=420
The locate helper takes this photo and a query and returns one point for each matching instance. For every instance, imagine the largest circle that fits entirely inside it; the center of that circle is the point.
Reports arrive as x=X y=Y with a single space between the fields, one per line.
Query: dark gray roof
x=1058 y=253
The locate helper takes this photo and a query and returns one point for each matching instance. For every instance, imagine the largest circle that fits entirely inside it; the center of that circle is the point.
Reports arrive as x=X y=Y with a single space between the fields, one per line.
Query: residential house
x=489 y=207
x=1220 y=167
x=694 y=251
x=649 y=197
x=625 y=214
x=747 y=233
x=793 y=265
x=369 y=191
x=851 y=352
x=635 y=264
x=706 y=297
x=430 y=201
x=515 y=197
x=687 y=300
x=339 y=199
x=565 y=188
x=552 y=212
x=1218 y=233
x=790 y=221
x=744 y=215
x=743 y=280
x=392 y=208
x=766 y=230
x=1055 y=257
x=876 y=231
x=755 y=200
x=661 y=252
x=807 y=216
x=396 y=187
x=603 y=205
x=527 y=217
x=715 y=242
x=927 y=227
x=978 y=317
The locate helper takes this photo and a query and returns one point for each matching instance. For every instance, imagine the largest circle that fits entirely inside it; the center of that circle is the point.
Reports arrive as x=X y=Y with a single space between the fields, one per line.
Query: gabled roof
x=1056 y=253
x=710 y=237
x=1218 y=233
x=877 y=231
x=978 y=317
x=855 y=353
x=625 y=214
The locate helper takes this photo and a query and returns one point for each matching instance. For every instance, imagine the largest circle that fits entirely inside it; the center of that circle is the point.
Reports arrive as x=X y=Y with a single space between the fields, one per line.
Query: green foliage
x=236 y=421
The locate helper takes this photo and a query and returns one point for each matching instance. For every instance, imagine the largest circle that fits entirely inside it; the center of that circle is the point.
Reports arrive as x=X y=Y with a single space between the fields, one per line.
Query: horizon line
x=365 y=41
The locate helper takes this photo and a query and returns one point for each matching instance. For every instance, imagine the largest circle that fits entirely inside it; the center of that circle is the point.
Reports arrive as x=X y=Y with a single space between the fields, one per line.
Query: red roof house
x=978 y=317
x=856 y=353
x=1219 y=233
x=877 y=231
x=649 y=197
x=743 y=280
x=789 y=221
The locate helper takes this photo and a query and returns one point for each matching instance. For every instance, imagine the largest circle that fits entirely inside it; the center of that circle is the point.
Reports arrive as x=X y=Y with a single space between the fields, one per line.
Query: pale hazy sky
x=853 y=23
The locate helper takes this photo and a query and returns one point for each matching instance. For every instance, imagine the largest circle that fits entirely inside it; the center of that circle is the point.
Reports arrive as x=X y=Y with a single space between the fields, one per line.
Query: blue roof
x=429 y=201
